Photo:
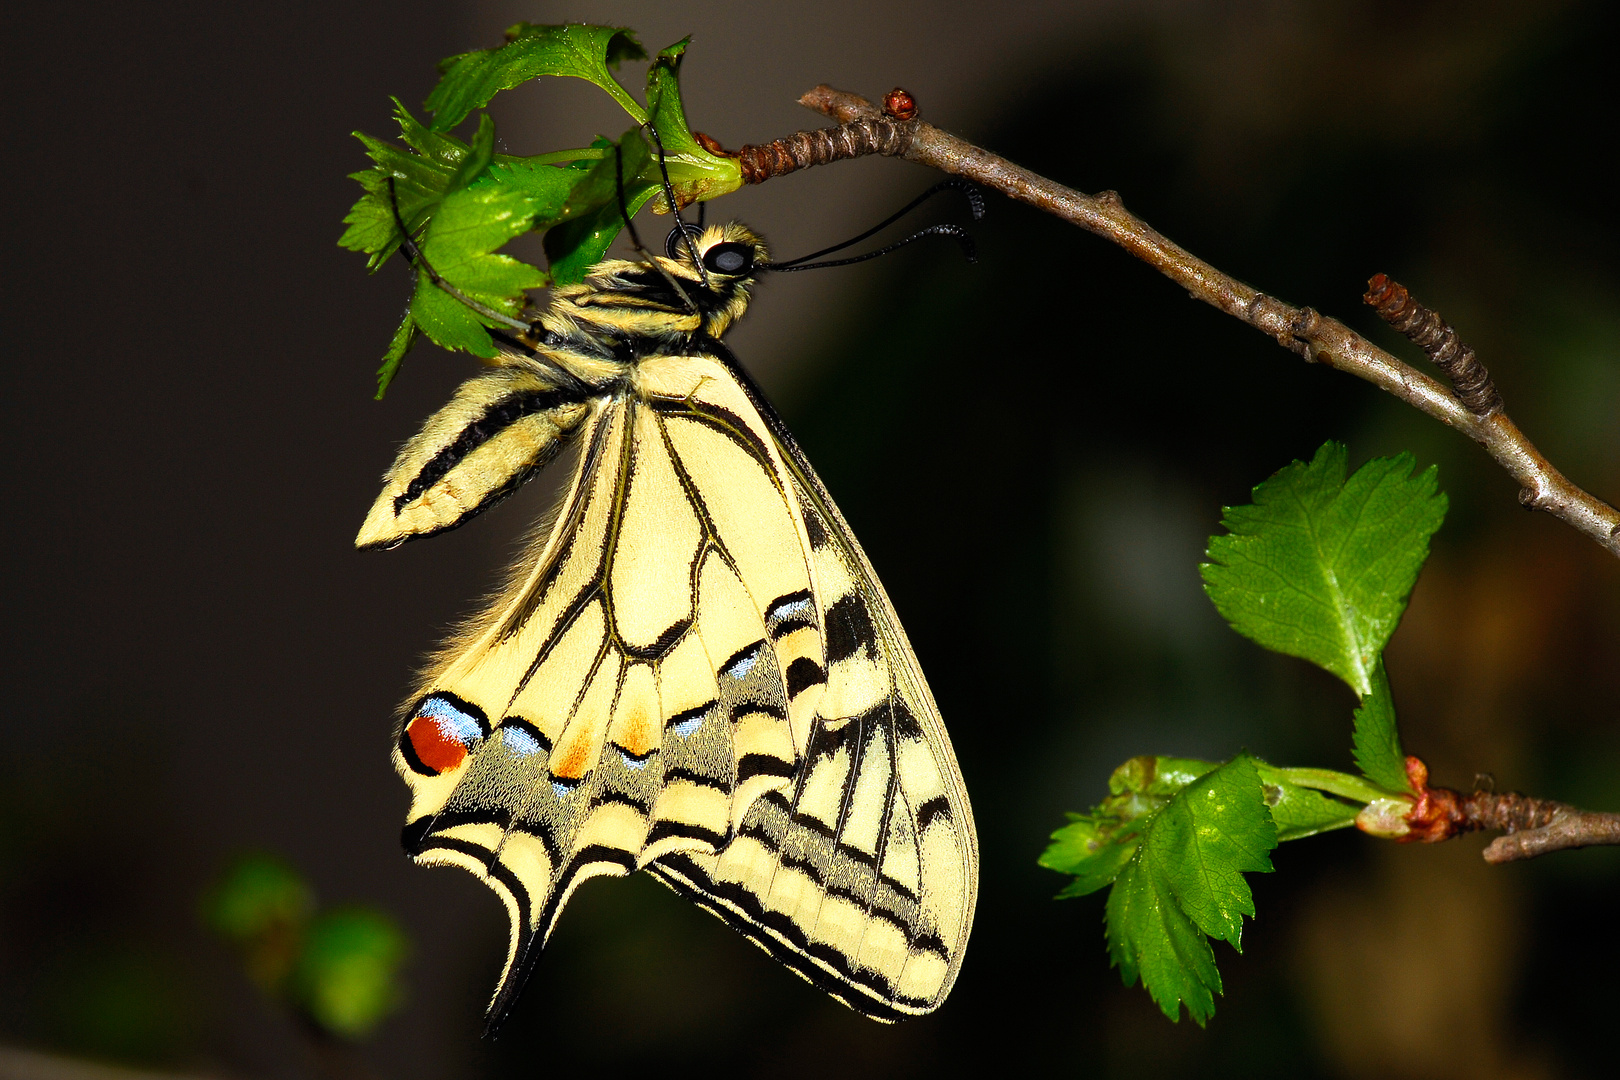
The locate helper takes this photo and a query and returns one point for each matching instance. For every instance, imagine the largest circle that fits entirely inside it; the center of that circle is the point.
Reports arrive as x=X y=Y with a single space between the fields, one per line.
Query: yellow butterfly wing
x=694 y=672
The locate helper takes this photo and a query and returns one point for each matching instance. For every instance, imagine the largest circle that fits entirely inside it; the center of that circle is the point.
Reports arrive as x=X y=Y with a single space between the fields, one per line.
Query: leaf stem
x=1344 y=785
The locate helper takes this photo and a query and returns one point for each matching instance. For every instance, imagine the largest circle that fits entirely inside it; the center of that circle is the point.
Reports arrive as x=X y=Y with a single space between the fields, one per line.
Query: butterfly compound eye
x=729 y=258
x=441 y=734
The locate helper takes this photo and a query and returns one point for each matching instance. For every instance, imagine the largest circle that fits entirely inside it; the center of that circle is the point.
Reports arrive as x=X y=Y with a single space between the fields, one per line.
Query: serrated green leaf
x=577 y=51
x=436 y=146
x=459 y=244
x=1149 y=937
x=404 y=339
x=1091 y=852
x=547 y=183
x=1185 y=881
x=591 y=215
x=420 y=181
x=573 y=247
x=472 y=223
x=1376 y=742
x=1206 y=838
x=1320 y=567
x=480 y=152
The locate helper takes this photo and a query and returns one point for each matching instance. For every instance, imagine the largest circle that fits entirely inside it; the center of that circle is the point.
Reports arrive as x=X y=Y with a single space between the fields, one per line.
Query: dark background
x=1033 y=450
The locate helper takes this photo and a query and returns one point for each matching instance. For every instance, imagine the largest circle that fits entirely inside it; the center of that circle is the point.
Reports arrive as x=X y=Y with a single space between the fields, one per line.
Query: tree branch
x=895 y=131
x=1533 y=826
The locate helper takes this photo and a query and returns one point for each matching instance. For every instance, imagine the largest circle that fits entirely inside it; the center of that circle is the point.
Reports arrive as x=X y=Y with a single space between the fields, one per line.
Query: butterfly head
x=731 y=256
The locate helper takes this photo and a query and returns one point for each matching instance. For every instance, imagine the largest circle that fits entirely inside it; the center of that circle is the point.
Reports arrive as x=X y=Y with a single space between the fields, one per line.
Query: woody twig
x=1470 y=404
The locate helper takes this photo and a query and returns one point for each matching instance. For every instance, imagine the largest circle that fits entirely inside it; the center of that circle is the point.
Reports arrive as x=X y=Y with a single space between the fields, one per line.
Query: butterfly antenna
x=526 y=331
x=970 y=250
x=413 y=255
x=681 y=228
x=635 y=238
x=955 y=183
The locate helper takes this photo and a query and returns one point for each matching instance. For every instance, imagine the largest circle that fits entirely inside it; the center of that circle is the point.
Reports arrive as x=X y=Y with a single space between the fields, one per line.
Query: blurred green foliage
x=338 y=968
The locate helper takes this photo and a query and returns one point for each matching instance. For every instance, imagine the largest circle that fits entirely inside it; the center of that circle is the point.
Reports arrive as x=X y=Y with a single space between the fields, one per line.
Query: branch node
x=1306 y=323
x=803 y=149
x=1429 y=332
x=898 y=104
x=1533 y=826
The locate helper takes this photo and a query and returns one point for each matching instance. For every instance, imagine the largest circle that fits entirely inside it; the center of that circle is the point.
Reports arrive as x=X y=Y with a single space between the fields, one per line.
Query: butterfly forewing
x=693 y=671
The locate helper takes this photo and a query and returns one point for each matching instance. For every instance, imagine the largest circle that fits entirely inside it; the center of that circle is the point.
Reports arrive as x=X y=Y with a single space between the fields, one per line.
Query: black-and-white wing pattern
x=696 y=673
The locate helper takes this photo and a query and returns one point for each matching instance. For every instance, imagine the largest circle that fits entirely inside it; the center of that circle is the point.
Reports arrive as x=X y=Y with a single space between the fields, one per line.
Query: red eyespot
x=441 y=734
x=437 y=749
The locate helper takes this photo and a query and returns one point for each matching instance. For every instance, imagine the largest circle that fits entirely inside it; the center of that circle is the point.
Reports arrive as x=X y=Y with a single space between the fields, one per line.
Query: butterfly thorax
x=625 y=311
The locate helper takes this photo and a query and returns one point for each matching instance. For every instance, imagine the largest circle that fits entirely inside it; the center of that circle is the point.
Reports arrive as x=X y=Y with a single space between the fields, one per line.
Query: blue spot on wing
x=455 y=721
x=743 y=661
x=519 y=741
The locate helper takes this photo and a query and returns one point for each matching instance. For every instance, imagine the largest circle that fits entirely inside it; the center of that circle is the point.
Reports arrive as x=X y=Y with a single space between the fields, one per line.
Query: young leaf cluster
x=1319 y=567
x=461 y=202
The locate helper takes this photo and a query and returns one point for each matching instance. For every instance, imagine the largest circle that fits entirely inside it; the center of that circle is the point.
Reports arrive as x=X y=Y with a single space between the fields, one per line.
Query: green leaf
x=1299 y=811
x=591 y=216
x=1377 y=744
x=479 y=154
x=420 y=181
x=548 y=185
x=1185 y=881
x=1319 y=567
x=347 y=975
x=404 y=339
x=1157 y=775
x=1217 y=828
x=459 y=244
x=1158 y=943
x=694 y=173
x=1091 y=852
x=433 y=145
x=583 y=52
x=575 y=246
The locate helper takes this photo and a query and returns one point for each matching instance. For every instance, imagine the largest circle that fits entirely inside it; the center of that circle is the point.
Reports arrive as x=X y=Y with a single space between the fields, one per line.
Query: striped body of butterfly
x=693 y=670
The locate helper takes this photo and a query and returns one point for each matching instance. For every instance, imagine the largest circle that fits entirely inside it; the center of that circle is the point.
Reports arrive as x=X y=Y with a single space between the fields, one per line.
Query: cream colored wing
x=862 y=875
x=497 y=430
x=680 y=677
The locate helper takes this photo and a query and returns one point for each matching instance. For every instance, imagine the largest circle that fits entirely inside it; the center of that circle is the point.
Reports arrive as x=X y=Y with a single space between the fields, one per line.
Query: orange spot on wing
x=571 y=760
